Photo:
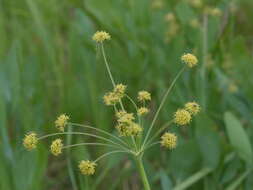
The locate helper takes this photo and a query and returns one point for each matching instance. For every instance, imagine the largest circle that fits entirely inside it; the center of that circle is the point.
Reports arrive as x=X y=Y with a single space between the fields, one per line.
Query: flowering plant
x=133 y=138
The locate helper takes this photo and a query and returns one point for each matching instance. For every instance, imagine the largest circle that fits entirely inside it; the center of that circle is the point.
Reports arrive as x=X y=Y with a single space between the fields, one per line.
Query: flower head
x=142 y=111
x=169 y=140
x=56 y=147
x=192 y=107
x=129 y=129
x=87 y=167
x=111 y=98
x=61 y=122
x=182 y=117
x=124 y=117
x=136 y=129
x=119 y=89
x=30 y=141
x=144 y=95
x=101 y=36
x=189 y=59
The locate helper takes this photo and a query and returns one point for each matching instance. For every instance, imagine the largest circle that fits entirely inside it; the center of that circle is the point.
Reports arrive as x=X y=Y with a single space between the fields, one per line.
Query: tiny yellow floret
x=119 y=89
x=169 y=140
x=124 y=117
x=56 y=147
x=101 y=36
x=142 y=111
x=182 y=117
x=87 y=167
x=189 y=59
x=143 y=96
x=30 y=141
x=129 y=129
x=61 y=122
x=111 y=98
x=192 y=107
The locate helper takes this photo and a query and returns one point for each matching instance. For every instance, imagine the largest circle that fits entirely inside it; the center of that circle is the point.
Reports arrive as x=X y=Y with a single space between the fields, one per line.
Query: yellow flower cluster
x=169 y=140
x=87 y=167
x=111 y=98
x=126 y=125
x=182 y=117
x=61 y=122
x=101 y=36
x=192 y=107
x=30 y=141
x=189 y=59
x=144 y=96
x=142 y=111
x=56 y=147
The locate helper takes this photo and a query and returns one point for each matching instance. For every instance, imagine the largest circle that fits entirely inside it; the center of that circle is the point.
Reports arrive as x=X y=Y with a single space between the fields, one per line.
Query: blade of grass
x=193 y=179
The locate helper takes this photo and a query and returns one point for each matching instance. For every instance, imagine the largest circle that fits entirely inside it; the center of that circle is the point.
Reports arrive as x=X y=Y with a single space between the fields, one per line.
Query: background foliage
x=49 y=65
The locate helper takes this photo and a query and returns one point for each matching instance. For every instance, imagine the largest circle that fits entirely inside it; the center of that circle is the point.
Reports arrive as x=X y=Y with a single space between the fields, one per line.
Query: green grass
x=49 y=65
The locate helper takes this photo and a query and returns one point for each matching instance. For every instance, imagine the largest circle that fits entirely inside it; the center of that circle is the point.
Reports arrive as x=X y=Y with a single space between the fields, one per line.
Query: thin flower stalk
x=112 y=152
x=165 y=126
x=100 y=130
x=92 y=144
x=162 y=103
x=80 y=133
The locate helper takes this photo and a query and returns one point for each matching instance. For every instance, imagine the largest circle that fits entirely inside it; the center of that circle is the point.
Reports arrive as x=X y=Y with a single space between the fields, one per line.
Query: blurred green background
x=49 y=65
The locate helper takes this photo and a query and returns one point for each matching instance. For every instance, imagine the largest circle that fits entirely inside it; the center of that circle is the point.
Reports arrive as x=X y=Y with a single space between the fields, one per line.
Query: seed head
x=56 y=147
x=87 y=167
x=169 y=140
x=189 y=59
x=142 y=111
x=30 y=141
x=192 y=107
x=61 y=122
x=101 y=36
x=182 y=117
x=143 y=96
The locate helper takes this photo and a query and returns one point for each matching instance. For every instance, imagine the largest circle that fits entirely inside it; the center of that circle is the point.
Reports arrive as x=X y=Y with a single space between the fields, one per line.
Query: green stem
x=107 y=65
x=161 y=105
x=142 y=173
x=100 y=130
x=165 y=126
x=69 y=163
x=204 y=59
